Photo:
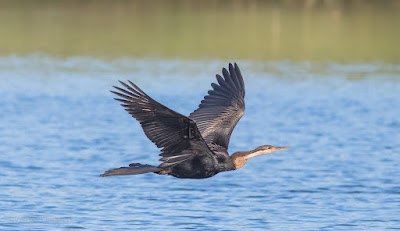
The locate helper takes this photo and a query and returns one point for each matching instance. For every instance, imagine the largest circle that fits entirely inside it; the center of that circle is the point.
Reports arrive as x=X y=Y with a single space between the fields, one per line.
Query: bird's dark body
x=198 y=167
x=194 y=146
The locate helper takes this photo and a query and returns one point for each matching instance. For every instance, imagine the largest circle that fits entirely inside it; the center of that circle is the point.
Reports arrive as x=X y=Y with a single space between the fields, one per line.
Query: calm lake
x=60 y=128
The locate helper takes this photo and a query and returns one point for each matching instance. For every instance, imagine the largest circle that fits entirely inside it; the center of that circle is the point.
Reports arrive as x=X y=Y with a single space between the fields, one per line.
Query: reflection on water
x=60 y=128
x=343 y=31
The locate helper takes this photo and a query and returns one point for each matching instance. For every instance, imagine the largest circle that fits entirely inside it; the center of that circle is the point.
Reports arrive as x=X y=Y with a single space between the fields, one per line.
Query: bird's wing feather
x=176 y=134
x=222 y=108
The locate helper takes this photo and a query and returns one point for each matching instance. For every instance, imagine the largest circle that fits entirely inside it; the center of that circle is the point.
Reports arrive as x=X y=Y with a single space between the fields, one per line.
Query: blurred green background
x=333 y=30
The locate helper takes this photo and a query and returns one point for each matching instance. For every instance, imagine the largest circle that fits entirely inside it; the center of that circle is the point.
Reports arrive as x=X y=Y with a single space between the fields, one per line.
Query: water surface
x=60 y=128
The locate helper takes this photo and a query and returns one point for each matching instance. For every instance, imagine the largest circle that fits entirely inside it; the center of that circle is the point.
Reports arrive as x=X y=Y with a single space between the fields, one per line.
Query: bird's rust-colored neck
x=240 y=158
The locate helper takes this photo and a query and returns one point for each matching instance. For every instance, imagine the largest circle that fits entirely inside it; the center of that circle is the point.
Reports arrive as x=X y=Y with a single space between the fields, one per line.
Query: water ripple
x=61 y=129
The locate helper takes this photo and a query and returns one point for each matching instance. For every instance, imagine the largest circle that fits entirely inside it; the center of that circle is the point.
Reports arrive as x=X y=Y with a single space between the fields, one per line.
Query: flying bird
x=195 y=146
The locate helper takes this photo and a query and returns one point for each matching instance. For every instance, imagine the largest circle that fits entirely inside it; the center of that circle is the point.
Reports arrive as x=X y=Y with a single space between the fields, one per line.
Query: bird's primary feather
x=222 y=108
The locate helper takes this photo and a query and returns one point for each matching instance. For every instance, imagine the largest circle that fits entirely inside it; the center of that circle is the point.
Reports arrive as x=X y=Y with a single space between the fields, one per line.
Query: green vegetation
x=343 y=31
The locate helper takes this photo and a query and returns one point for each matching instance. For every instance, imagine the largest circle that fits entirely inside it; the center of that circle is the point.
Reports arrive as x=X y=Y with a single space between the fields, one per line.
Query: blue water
x=60 y=128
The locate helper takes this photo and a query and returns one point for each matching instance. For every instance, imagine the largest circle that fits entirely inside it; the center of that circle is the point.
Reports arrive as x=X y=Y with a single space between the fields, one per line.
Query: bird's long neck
x=240 y=158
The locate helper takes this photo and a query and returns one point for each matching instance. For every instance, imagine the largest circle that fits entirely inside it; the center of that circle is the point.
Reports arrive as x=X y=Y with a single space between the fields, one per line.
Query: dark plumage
x=194 y=146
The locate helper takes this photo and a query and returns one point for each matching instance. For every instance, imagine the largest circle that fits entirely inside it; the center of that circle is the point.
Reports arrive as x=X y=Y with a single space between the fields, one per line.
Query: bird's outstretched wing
x=222 y=108
x=176 y=134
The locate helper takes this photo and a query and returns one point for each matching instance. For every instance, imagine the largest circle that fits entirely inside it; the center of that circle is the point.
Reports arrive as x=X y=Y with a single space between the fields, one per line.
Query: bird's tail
x=133 y=169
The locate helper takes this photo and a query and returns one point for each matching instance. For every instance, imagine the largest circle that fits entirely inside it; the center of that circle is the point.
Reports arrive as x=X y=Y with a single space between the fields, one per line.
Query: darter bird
x=194 y=146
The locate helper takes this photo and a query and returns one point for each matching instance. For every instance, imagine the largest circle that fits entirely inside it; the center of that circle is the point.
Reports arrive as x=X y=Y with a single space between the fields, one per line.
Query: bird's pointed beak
x=274 y=149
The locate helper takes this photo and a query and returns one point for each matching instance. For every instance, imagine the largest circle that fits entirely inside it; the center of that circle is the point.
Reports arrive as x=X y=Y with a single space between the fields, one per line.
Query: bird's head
x=240 y=158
